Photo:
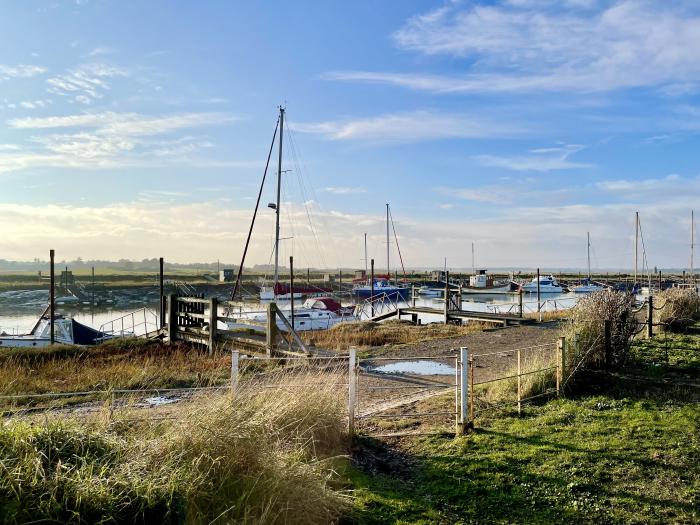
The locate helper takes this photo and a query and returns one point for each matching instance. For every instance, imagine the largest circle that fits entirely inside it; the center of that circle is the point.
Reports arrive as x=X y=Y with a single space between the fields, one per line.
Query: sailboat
x=314 y=314
x=588 y=285
x=382 y=284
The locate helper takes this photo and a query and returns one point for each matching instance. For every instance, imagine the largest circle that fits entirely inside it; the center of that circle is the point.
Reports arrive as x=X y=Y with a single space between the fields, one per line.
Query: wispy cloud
x=109 y=140
x=344 y=190
x=86 y=83
x=541 y=159
x=409 y=127
x=670 y=186
x=20 y=71
x=528 y=45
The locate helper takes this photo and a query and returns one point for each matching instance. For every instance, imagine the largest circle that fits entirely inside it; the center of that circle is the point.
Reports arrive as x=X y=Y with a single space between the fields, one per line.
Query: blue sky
x=140 y=129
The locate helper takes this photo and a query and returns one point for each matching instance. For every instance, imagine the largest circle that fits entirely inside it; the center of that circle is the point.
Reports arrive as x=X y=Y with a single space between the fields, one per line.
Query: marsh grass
x=676 y=309
x=265 y=456
x=368 y=333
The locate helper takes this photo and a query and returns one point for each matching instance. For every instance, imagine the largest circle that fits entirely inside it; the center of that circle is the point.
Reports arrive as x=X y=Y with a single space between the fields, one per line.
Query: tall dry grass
x=676 y=308
x=265 y=456
x=368 y=333
x=585 y=333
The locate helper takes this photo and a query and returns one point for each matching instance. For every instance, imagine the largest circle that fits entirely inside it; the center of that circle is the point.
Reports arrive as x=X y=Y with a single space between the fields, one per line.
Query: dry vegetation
x=676 y=308
x=367 y=333
x=265 y=456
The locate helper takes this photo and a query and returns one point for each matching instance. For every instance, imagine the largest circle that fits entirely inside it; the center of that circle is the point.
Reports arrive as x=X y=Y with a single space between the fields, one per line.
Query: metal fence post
x=352 y=393
x=561 y=352
x=463 y=390
x=235 y=356
x=650 y=317
x=519 y=384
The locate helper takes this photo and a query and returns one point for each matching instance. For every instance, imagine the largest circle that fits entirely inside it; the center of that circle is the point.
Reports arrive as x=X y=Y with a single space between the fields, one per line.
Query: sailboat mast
x=365 y=254
x=588 y=235
x=277 y=208
x=388 y=268
x=636 y=245
x=692 y=245
x=473 y=265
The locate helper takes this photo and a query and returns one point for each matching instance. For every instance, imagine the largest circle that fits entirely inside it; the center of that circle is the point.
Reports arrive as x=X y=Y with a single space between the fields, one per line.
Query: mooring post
x=539 y=305
x=463 y=391
x=235 y=357
x=650 y=317
x=213 y=319
x=447 y=296
x=371 y=288
x=271 y=331
x=520 y=302
x=161 y=312
x=352 y=393
x=413 y=295
x=52 y=298
x=172 y=318
x=607 y=332
x=561 y=356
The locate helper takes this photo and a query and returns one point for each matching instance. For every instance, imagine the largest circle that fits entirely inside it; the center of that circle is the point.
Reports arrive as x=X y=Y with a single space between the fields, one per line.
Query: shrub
x=585 y=332
x=676 y=308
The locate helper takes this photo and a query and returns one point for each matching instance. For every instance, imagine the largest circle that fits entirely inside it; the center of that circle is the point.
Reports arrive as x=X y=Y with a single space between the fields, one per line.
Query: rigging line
x=302 y=195
x=398 y=248
x=645 y=262
x=303 y=171
x=255 y=213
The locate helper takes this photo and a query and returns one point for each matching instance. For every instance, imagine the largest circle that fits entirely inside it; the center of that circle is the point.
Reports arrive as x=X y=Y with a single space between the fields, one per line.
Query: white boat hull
x=588 y=288
x=490 y=290
x=528 y=288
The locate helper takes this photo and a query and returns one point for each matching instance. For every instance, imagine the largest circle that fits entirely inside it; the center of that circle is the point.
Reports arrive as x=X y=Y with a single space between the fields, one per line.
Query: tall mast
x=636 y=245
x=388 y=268
x=588 y=235
x=365 y=254
x=692 y=245
x=277 y=207
x=473 y=265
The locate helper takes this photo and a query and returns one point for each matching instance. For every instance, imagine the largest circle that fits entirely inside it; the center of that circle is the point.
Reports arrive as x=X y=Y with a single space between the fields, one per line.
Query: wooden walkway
x=488 y=317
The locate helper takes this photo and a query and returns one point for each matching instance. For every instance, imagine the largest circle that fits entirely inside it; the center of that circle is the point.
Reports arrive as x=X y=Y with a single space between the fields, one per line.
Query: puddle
x=427 y=368
x=159 y=400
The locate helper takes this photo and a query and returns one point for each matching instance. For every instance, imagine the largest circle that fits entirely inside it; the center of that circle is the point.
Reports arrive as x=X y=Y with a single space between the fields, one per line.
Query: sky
x=141 y=129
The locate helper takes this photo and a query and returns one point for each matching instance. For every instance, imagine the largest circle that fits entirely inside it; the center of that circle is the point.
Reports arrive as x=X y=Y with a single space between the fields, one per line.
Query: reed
x=676 y=309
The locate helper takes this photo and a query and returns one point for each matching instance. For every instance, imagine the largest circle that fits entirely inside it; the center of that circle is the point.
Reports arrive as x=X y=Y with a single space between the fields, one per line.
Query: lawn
x=623 y=449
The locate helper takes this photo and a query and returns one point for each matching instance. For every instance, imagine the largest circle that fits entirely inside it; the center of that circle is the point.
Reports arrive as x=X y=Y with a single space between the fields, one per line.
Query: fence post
x=172 y=318
x=463 y=391
x=607 y=330
x=271 y=331
x=213 y=318
x=561 y=356
x=352 y=393
x=650 y=317
x=235 y=356
x=447 y=296
x=519 y=384
x=520 y=302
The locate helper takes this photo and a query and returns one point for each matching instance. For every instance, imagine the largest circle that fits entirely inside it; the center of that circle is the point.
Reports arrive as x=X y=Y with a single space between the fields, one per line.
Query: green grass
x=623 y=449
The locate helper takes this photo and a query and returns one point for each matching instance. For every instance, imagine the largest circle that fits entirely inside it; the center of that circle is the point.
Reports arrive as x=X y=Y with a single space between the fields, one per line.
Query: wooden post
x=172 y=318
x=161 y=310
x=235 y=357
x=413 y=295
x=650 y=317
x=538 y=296
x=463 y=391
x=607 y=331
x=52 y=299
x=213 y=318
x=271 y=331
x=519 y=383
x=352 y=393
x=561 y=354
x=520 y=301
x=291 y=287
x=447 y=296
x=371 y=289
x=93 y=287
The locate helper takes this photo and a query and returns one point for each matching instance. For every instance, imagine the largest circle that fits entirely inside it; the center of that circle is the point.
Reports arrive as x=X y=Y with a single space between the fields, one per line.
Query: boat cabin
x=481 y=280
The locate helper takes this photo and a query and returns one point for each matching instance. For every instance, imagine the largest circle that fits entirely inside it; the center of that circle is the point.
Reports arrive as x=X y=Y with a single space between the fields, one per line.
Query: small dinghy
x=67 y=331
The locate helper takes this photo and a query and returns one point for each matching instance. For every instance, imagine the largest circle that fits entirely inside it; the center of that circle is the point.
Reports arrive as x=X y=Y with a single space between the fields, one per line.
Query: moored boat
x=482 y=283
x=67 y=331
x=547 y=285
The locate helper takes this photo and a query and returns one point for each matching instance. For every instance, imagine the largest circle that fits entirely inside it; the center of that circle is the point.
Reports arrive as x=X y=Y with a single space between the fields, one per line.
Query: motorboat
x=430 y=291
x=482 y=283
x=67 y=331
x=319 y=313
x=382 y=287
x=547 y=285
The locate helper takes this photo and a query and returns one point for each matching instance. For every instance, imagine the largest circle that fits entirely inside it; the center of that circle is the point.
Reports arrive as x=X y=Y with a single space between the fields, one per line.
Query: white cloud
x=541 y=159
x=531 y=45
x=343 y=190
x=20 y=71
x=109 y=140
x=85 y=83
x=670 y=186
x=101 y=50
x=409 y=127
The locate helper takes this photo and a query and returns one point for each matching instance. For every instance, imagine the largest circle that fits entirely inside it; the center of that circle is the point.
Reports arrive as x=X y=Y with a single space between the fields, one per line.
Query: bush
x=585 y=332
x=676 y=308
